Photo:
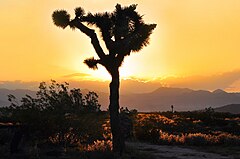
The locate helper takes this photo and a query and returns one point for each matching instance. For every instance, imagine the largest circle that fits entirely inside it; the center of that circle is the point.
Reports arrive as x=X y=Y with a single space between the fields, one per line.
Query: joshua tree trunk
x=118 y=142
x=118 y=139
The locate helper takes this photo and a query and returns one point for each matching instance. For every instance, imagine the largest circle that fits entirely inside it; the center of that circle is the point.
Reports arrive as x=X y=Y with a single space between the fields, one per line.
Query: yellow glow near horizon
x=103 y=75
x=193 y=37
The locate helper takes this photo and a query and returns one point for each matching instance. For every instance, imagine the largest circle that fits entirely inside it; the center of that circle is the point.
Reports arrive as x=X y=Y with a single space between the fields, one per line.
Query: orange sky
x=195 y=40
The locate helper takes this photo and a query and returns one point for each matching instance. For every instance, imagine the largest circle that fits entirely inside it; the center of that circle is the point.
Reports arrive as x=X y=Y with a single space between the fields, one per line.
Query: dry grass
x=183 y=130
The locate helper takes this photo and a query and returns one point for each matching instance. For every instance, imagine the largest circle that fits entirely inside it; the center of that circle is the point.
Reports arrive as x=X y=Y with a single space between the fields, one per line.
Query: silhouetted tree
x=49 y=114
x=77 y=99
x=92 y=101
x=123 y=32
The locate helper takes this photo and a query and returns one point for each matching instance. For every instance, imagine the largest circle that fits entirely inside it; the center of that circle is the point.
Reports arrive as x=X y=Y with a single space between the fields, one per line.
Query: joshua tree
x=123 y=32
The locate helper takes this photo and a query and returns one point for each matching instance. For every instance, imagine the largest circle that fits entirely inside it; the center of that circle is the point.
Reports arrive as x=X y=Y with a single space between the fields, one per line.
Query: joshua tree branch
x=108 y=41
x=90 y=33
x=102 y=23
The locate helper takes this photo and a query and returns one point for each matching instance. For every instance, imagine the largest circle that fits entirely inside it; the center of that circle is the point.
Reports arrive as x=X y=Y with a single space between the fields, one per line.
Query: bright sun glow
x=192 y=38
x=102 y=73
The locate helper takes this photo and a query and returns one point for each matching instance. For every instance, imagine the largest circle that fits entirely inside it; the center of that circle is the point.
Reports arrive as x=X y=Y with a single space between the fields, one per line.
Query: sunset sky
x=196 y=43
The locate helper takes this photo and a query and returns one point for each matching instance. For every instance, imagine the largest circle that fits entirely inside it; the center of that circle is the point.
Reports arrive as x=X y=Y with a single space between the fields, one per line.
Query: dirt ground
x=175 y=152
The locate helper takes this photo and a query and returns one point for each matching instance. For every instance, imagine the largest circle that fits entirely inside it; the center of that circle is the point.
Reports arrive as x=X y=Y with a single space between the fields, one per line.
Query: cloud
x=127 y=86
x=218 y=81
x=33 y=85
x=138 y=85
x=228 y=81
x=78 y=75
x=234 y=87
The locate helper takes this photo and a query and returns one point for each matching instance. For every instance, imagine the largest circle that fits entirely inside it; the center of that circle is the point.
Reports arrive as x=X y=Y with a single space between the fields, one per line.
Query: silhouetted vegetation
x=61 y=122
x=56 y=115
x=189 y=128
x=123 y=32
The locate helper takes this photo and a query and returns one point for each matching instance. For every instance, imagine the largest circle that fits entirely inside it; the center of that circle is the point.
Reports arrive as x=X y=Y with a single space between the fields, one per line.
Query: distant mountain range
x=18 y=93
x=182 y=99
x=232 y=108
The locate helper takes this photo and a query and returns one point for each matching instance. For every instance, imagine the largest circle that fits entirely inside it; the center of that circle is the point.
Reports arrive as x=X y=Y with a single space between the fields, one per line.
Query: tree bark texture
x=118 y=141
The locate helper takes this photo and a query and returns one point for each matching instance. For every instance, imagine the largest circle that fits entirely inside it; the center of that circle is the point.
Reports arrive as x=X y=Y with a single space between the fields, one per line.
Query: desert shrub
x=58 y=115
x=228 y=139
x=196 y=139
x=185 y=128
x=99 y=145
x=199 y=139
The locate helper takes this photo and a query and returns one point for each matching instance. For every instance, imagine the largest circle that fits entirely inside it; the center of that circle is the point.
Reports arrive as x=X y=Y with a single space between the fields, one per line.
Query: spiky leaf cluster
x=61 y=18
x=124 y=25
x=79 y=12
x=91 y=63
x=140 y=38
x=130 y=27
x=126 y=20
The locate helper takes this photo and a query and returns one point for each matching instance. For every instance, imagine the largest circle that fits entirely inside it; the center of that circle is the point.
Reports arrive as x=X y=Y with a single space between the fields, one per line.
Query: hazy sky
x=195 y=41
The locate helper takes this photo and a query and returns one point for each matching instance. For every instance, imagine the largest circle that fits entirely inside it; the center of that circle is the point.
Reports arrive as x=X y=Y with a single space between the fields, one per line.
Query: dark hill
x=18 y=93
x=232 y=108
x=183 y=99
